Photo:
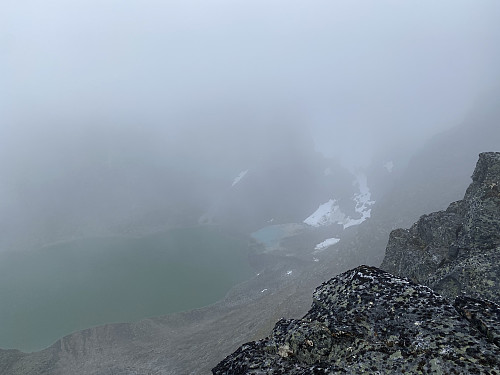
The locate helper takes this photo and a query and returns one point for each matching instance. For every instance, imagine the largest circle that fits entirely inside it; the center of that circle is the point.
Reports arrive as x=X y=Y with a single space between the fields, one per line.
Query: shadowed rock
x=456 y=251
x=483 y=315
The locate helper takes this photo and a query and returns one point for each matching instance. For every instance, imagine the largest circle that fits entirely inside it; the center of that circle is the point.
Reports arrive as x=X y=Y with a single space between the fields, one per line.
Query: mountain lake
x=53 y=291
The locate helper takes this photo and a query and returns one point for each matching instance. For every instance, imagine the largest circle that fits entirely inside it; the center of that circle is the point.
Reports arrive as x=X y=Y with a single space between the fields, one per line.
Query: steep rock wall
x=458 y=250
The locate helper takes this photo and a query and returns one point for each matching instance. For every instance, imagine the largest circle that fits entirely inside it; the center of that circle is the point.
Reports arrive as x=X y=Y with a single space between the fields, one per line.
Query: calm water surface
x=56 y=290
x=272 y=235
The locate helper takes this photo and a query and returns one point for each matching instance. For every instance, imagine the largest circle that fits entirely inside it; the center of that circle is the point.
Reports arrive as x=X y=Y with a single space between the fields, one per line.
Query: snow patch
x=326 y=214
x=330 y=213
x=326 y=243
x=239 y=177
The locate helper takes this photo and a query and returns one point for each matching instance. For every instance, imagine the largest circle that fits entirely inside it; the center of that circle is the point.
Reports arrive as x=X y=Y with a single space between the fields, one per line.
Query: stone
x=456 y=251
x=400 y=319
x=367 y=321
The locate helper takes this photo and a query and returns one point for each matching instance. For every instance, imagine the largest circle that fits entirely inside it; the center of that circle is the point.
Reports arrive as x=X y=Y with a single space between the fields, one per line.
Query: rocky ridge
x=184 y=343
x=367 y=320
x=457 y=250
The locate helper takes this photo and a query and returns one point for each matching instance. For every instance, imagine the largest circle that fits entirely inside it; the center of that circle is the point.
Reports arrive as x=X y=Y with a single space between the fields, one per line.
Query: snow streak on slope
x=326 y=243
x=239 y=177
x=363 y=202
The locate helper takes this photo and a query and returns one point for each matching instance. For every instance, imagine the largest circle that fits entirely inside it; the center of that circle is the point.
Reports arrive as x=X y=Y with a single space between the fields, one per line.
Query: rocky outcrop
x=458 y=250
x=193 y=342
x=481 y=205
x=427 y=181
x=483 y=315
x=367 y=321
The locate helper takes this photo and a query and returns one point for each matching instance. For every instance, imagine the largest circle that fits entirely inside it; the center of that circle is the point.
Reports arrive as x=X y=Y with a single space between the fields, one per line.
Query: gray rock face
x=483 y=315
x=367 y=321
x=458 y=250
x=482 y=205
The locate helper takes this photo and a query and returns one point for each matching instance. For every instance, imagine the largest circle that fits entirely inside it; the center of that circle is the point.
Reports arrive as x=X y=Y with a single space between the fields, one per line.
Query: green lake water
x=51 y=292
x=272 y=235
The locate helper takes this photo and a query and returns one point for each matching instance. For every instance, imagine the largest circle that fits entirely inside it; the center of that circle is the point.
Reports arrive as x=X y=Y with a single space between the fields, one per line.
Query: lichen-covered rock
x=419 y=251
x=483 y=315
x=482 y=204
x=367 y=321
x=476 y=273
x=456 y=251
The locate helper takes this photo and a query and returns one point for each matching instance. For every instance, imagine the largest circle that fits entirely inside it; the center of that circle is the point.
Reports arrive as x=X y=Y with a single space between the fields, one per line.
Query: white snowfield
x=330 y=213
x=239 y=177
x=326 y=243
x=326 y=214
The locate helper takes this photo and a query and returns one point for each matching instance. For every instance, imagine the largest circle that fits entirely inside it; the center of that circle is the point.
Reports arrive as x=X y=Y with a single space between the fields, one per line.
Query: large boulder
x=367 y=321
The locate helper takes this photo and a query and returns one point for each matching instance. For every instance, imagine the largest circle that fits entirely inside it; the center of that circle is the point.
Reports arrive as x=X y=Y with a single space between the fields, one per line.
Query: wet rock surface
x=367 y=321
x=456 y=251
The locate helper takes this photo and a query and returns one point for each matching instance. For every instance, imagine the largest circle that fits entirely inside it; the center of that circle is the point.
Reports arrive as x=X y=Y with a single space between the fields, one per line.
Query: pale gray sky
x=358 y=74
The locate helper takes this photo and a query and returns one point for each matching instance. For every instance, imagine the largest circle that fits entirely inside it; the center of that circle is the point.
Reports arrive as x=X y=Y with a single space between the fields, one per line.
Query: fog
x=144 y=144
x=162 y=93
x=358 y=76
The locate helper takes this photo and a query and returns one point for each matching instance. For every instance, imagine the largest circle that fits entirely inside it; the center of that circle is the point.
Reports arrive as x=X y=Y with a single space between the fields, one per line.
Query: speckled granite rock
x=482 y=205
x=483 y=315
x=367 y=321
x=456 y=251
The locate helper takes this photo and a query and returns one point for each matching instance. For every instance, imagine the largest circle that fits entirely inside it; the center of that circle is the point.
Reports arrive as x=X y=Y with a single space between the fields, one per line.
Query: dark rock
x=474 y=273
x=419 y=251
x=482 y=204
x=367 y=321
x=483 y=315
x=455 y=251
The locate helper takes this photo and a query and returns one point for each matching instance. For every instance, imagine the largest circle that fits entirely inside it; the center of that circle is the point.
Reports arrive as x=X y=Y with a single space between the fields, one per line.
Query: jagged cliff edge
x=368 y=320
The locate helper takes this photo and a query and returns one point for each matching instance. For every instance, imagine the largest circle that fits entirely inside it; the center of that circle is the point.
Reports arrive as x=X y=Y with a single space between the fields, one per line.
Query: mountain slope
x=369 y=321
